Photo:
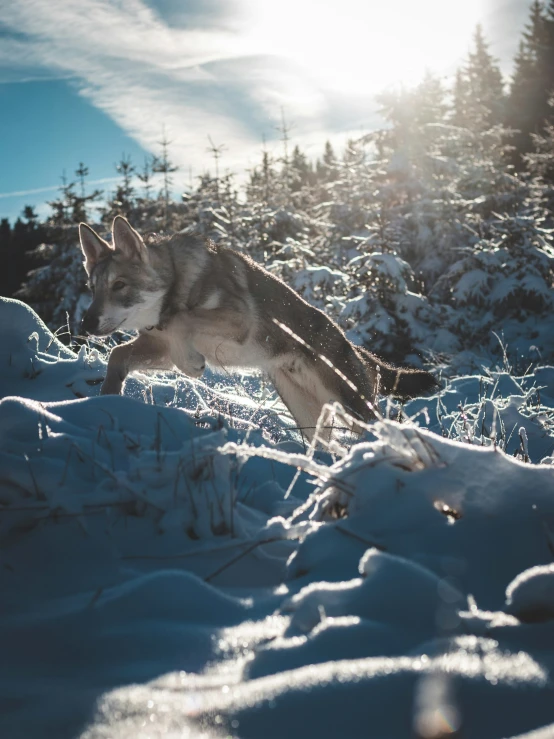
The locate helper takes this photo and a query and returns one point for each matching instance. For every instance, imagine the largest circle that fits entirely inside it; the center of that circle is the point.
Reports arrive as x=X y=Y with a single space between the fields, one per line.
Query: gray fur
x=193 y=302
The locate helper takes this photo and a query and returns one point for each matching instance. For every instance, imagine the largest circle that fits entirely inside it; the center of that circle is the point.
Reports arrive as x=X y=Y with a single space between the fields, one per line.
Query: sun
x=357 y=46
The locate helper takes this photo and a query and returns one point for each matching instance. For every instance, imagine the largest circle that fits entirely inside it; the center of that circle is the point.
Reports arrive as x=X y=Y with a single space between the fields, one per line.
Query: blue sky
x=39 y=141
x=88 y=80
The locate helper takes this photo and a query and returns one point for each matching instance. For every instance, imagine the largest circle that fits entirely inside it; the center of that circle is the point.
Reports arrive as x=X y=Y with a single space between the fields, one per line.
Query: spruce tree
x=263 y=180
x=267 y=173
x=163 y=165
x=460 y=92
x=533 y=78
x=18 y=243
x=145 y=176
x=540 y=163
x=123 y=200
x=430 y=101
x=62 y=206
x=284 y=129
x=79 y=202
x=549 y=26
x=6 y=275
x=5 y=233
x=326 y=169
x=300 y=169
x=485 y=88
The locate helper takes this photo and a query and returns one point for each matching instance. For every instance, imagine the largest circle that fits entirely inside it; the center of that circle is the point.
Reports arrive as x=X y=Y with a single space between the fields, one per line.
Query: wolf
x=194 y=302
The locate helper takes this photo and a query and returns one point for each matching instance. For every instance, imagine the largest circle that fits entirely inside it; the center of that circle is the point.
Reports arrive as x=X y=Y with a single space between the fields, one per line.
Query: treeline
x=16 y=244
x=435 y=225
x=77 y=202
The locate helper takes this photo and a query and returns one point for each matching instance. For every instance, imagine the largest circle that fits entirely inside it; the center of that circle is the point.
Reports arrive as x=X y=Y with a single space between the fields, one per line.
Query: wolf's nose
x=89 y=324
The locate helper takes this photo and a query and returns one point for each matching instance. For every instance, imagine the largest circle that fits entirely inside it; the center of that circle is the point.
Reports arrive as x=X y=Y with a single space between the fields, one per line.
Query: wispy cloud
x=53 y=188
x=227 y=67
x=209 y=77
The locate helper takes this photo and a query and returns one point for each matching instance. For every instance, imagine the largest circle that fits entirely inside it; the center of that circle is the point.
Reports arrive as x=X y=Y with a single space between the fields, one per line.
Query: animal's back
x=315 y=336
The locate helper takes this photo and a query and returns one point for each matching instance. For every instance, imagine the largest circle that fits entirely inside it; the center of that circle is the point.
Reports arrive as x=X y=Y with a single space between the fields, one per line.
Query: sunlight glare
x=355 y=46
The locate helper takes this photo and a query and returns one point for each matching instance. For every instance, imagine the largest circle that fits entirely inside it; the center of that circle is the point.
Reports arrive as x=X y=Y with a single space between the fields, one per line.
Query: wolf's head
x=127 y=292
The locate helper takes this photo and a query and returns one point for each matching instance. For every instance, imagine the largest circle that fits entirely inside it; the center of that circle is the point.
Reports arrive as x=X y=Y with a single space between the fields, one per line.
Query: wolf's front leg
x=188 y=360
x=185 y=357
x=146 y=352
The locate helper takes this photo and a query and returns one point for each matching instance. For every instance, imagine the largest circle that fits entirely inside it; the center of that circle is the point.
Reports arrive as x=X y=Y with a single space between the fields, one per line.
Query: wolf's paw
x=196 y=369
x=111 y=386
x=195 y=364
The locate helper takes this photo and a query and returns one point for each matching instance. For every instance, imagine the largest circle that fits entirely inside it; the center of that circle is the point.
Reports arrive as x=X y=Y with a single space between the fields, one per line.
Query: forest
x=429 y=238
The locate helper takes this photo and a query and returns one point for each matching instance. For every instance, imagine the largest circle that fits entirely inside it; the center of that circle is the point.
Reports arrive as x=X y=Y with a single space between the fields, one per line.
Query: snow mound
x=530 y=596
x=442 y=504
x=171 y=570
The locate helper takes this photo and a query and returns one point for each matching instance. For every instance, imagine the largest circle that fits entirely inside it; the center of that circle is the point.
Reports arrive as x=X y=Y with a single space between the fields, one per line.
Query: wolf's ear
x=127 y=241
x=94 y=248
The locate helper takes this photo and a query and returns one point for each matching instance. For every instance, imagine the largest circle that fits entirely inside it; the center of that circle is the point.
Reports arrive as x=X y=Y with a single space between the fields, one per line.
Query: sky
x=91 y=80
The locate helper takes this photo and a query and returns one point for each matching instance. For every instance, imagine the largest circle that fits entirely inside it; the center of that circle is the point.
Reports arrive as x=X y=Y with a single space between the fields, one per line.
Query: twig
x=241 y=555
x=40 y=496
x=186 y=555
x=361 y=539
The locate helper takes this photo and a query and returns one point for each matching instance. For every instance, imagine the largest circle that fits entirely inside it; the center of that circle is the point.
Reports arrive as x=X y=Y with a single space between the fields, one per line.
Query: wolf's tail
x=402 y=382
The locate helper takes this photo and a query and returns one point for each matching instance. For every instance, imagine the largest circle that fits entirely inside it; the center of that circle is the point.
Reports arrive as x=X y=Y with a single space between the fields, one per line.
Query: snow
x=530 y=596
x=176 y=563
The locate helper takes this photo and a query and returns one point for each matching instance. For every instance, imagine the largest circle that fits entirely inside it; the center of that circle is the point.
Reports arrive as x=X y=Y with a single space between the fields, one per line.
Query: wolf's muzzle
x=89 y=324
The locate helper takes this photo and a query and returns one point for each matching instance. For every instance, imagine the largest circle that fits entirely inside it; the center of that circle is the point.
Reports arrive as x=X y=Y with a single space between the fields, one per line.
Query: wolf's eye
x=118 y=285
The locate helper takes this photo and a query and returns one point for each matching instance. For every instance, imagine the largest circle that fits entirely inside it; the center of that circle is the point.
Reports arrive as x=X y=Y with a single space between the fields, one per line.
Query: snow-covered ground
x=177 y=563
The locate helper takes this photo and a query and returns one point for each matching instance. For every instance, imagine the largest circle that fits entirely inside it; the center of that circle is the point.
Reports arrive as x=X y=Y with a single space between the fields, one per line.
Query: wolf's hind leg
x=146 y=352
x=305 y=394
x=304 y=407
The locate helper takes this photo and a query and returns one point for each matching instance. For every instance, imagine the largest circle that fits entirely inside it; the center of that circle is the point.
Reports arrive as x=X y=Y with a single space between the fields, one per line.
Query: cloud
x=228 y=67
x=52 y=188
x=208 y=76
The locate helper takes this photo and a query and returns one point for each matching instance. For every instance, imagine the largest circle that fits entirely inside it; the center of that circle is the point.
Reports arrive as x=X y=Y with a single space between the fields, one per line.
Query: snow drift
x=171 y=570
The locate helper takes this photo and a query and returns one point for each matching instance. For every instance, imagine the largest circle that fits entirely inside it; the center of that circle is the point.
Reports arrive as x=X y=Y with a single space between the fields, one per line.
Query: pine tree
x=409 y=112
x=81 y=173
x=460 y=92
x=284 y=128
x=484 y=86
x=5 y=233
x=79 y=202
x=71 y=207
x=549 y=51
x=326 y=169
x=429 y=101
x=263 y=179
x=533 y=78
x=6 y=275
x=540 y=163
x=268 y=173
x=329 y=158
x=30 y=216
x=145 y=176
x=216 y=152
x=123 y=200
x=163 y=165
x=300 y=170
x=18 y=243
x=62 y=207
